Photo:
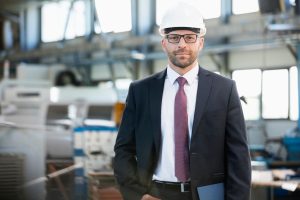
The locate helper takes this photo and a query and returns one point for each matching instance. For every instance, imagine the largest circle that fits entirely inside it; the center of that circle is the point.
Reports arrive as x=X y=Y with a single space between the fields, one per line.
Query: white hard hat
x=182 y=15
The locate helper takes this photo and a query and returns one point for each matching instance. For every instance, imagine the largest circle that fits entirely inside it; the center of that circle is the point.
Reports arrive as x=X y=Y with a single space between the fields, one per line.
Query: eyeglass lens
x=188 y=38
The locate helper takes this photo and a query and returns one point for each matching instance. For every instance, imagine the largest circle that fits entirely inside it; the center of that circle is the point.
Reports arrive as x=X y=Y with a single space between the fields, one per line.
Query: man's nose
x=181 y=42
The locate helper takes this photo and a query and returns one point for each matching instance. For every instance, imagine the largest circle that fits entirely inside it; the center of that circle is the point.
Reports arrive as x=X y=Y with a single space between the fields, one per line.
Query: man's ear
x=201 y=43
x=163 y=44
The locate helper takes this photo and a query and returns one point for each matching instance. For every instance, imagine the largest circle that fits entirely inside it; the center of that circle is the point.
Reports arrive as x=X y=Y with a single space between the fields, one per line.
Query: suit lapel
x=156 y=92
x=204 y=87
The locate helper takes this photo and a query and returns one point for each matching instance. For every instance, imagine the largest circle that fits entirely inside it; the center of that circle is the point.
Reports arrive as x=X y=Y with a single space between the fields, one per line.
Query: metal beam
x=90 y=19
x=143 y=23
x=123 y=52
x=10 y=16
x=226 y=10
x=143 y=16
x=22 y=26
x=67 y=21
x=216 y=61
x=292 y=51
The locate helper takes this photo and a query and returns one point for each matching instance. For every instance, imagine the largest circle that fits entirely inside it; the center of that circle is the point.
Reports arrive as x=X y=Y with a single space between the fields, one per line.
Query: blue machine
x=292 y=145
x=93 y=147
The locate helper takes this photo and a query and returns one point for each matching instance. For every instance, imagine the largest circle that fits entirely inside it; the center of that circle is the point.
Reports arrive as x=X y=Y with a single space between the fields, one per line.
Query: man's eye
x=189 y=37
x=173 y=38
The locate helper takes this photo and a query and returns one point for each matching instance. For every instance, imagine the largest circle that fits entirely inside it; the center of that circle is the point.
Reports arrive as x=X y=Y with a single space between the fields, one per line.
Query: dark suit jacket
x=218 y=150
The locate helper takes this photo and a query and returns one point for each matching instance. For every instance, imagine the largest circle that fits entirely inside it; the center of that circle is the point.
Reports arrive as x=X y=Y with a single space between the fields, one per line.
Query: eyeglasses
x=188 y=38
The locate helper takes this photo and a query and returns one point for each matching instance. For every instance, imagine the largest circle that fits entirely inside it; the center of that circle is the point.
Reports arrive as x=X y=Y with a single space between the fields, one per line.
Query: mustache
x=181 y=51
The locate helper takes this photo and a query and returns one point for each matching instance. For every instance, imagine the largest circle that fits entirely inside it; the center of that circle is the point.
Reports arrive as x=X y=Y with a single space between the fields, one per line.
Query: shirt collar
x=190 y=76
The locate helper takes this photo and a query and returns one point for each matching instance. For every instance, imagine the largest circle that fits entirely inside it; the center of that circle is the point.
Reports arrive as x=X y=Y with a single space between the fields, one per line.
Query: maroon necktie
x=181 y=133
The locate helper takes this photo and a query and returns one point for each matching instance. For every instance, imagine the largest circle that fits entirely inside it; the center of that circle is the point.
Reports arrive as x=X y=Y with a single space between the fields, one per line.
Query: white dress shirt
x=165 y=170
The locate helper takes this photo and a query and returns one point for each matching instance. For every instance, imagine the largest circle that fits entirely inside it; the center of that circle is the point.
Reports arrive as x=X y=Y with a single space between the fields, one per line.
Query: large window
x=294 y=93
x=249 y=86
x=114 y=15
x=275 y=94
x=55 y=19
x=242 y=6
x=270 y=94
x=209 y=9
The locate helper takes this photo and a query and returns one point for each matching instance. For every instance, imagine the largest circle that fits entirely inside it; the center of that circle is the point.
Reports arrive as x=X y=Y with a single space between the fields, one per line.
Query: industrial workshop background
x=65 y=68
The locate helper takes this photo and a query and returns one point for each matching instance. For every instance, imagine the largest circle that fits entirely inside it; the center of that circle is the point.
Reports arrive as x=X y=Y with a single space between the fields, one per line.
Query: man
x=182 y=128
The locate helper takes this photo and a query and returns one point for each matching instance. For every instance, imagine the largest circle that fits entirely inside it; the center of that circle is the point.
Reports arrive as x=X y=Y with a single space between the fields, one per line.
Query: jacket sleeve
x=125 y=165
x=238 y=181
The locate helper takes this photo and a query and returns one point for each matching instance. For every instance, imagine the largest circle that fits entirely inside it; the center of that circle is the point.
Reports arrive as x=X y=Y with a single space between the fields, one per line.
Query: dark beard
x=175 y=61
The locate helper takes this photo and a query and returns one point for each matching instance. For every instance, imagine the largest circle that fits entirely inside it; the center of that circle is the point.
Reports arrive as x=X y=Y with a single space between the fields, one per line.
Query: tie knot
x=181 y=81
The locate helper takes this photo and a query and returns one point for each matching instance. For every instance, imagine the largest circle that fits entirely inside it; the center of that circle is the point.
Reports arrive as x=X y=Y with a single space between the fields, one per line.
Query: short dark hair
x=168 y=30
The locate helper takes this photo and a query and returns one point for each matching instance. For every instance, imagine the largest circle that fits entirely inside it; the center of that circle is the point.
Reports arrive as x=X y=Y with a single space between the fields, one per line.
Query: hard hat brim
x=200 y=31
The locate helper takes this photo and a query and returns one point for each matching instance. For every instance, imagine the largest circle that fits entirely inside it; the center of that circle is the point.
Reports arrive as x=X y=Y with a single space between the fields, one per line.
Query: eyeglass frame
x=182 y=36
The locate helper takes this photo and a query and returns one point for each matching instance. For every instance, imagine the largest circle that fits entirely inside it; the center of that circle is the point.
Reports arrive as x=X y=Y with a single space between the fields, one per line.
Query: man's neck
x=183 y=71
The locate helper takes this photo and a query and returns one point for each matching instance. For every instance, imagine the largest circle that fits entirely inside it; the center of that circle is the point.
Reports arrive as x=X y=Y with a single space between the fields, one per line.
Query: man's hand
x=149 y=197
